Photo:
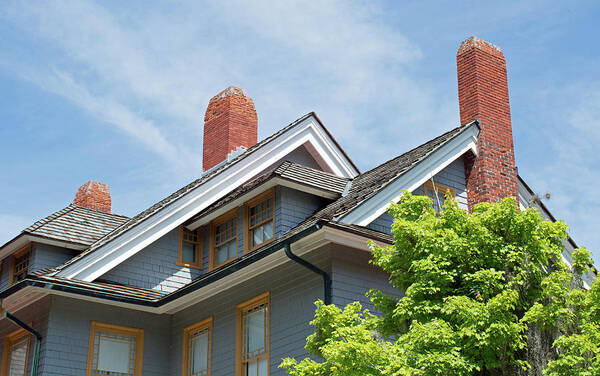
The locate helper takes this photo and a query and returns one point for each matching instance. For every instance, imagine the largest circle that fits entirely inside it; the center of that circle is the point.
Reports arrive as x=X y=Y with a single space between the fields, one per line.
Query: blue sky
x=98 y=90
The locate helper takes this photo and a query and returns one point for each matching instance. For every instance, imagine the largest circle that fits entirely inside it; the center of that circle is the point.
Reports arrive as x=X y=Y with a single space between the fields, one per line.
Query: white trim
x=160 y=223
x=370 y=209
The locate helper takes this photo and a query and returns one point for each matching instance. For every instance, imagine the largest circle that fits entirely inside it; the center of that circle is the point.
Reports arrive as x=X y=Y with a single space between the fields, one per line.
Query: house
x=220 y=278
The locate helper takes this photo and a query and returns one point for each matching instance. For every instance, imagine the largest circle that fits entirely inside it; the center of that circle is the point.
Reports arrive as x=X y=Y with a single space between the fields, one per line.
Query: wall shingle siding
x=353 y=276
x=37 y=316
x=48 y=256
x=293 y=207
x=293 y=293
x=68 y=333
x=154 y=267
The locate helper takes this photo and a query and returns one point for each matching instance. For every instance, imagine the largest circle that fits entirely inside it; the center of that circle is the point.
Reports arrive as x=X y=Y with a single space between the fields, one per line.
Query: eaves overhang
x=311 y=237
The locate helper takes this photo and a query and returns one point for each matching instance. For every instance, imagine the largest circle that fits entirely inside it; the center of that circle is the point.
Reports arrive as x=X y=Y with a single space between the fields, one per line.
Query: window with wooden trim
x=437 y=193
x=197 y=349
x=260 y=220
x=190 y=248
x=252 y=344
x=224 y=239
x=16 y=353
x=20 y=264
x=115 y=350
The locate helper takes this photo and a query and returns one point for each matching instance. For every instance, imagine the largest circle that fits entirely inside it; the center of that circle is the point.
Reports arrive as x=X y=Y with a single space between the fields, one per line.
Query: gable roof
x=369 y=183
x=227 y=177
x=75 y=226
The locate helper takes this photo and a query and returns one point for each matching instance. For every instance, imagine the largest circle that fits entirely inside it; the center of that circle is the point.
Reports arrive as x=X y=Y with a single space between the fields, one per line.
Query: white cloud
x=292 y=57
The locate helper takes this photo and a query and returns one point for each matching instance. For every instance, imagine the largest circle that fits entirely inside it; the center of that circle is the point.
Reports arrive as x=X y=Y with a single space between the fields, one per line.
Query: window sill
x=259 y=246
x=187 y=265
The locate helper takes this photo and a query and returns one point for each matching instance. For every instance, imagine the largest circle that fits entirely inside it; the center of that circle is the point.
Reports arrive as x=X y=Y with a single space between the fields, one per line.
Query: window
x=437 y=194
x=197 y=349
x=115 y=350
x=190 y=248
x=20 y=264
x=260 y=220
x=15 y=354
x=224 y=239
x=252 y=345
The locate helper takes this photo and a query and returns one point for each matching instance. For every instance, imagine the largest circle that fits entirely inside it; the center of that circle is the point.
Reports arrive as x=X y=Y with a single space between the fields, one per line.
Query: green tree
x=478 y=290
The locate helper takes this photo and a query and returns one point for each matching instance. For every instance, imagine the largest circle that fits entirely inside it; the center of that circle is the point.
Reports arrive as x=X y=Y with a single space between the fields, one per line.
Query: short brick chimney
x=230 y=122
x=483 y=96
x=93 y=195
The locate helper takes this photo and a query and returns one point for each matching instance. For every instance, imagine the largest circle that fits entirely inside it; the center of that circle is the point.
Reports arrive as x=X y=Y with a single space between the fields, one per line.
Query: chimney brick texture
x=93 y=195
x=483 y=96
x=230 y=122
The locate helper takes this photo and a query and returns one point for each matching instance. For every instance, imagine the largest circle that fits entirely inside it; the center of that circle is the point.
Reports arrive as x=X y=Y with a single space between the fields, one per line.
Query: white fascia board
x=373 y=207
x=160 y=223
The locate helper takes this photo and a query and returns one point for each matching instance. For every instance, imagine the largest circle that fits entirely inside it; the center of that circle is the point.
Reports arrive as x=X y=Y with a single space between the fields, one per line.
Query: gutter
x=156 y=303
x=313 y=268
x=38 y=340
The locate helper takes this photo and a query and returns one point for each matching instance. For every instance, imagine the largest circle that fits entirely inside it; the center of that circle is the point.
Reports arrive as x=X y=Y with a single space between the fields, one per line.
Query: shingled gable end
x=93 y=283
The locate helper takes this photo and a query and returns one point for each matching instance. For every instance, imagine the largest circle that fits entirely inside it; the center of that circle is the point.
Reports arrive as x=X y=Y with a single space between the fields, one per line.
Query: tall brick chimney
x=483 y=96
x=93 y=195
x=230 y=122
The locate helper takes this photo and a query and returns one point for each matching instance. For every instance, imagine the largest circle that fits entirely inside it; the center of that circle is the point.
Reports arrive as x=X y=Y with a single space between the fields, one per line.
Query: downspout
x=38 y=340
x=313 y=268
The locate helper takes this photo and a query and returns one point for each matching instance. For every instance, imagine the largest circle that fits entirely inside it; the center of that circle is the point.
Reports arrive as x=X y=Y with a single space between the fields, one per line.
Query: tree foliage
x=475 y=286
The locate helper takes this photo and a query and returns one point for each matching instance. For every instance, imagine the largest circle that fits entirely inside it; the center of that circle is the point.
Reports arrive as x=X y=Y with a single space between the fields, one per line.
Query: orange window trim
x=212 y=256
x=264 y=298
x=8 y=341
x=13 y=257
x=138 y=334
x=441 y=189
x=270 y=193
x=185 y=361
x=197 y=249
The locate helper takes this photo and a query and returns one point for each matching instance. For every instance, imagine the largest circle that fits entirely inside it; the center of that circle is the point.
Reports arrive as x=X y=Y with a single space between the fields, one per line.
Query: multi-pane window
x=197 y=347
x=224 y=239
x=253 y=337
x=260 y=215
x=16 y=348
x=20 y=265
x=437 y=194
x=115 y=350
x=190 y=248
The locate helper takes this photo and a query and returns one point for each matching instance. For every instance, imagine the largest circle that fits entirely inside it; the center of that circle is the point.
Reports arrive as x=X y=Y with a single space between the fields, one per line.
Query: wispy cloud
x=292 y=57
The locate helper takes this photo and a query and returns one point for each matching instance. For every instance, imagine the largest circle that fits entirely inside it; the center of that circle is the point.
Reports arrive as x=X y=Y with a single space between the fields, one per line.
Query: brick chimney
x=93 y=195
x=230 y=122
x=483 y=95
